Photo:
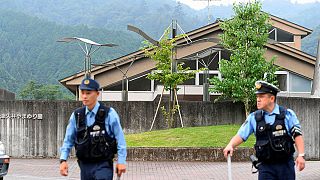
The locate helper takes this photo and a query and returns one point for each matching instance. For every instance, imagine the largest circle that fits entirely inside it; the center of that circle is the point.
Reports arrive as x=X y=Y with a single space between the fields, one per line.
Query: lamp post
x=315 y=92
x=89 y=48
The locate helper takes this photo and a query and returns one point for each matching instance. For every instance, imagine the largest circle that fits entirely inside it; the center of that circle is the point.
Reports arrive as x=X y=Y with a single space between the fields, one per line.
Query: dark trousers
x=96 y=171
x=277 y=171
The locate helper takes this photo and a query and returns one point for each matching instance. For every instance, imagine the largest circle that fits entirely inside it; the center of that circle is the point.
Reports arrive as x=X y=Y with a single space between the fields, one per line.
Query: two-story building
x=295 y=77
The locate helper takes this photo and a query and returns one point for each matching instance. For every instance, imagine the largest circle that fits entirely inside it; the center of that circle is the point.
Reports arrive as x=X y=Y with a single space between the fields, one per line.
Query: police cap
x=265 y=87
x=89 y=84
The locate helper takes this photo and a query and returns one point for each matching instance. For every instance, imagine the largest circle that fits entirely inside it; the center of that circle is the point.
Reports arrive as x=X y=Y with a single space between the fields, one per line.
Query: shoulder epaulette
x=282 y=111
x=258 y=115
x=79 y=115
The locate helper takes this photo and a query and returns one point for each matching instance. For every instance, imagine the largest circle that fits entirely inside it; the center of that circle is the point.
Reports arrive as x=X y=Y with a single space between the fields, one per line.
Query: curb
x=185 y=154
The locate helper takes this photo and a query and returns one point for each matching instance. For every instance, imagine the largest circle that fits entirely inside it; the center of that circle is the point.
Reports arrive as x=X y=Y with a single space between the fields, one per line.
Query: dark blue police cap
x=265 y=87
x=89 y=84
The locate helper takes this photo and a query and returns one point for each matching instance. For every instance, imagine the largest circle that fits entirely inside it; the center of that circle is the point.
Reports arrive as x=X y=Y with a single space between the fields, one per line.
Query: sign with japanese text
x=21 y=116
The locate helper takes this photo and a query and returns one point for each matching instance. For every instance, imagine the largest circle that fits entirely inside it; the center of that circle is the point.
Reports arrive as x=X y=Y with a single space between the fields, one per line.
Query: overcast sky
x=200 y=4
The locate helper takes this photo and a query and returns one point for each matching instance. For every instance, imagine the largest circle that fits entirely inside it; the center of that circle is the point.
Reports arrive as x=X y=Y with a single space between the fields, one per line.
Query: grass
x=207 y=136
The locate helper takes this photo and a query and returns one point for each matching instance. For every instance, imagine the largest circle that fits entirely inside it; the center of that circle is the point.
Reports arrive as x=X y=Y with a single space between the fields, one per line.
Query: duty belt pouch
x=101 y=150
x=263 y=150
x=83 y=152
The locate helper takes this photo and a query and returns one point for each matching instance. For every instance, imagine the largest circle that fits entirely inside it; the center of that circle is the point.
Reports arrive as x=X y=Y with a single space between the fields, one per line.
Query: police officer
x=277 y=129
x=96 y=132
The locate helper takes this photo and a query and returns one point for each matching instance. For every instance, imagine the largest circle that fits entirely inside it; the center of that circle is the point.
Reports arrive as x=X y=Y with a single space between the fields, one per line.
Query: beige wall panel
x=287 y=28
x=297 y=42
x=291 y=63
x=75 y=81
x=196 y=47
x=115 y=75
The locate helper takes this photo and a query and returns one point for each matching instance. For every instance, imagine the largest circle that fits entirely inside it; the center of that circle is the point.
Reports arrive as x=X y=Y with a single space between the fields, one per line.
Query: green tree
x=244 y=36
x=163 y=55
x=29 y=91
x=34 y=91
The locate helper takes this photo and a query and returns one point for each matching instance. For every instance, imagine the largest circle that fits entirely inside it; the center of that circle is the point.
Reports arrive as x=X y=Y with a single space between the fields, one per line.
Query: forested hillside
x=310 y=43
x=152 y=16
x=29 y=51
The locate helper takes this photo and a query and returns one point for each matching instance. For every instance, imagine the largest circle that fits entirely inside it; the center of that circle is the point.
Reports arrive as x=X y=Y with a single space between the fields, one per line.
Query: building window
x=190 y=82
x=212 y=60
x=272 y=33
x=141 y=83
x=282 y=78
x=201 y=78
x=280 y=35
x=188 y=63
x=115 y=87
x=299 y=84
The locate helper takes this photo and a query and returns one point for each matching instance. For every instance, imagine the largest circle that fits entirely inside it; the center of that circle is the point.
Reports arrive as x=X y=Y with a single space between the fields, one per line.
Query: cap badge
x=258 y=86
x=86 y=81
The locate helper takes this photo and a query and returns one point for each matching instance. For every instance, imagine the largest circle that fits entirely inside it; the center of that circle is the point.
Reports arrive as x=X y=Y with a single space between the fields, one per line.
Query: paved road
x=48 y=169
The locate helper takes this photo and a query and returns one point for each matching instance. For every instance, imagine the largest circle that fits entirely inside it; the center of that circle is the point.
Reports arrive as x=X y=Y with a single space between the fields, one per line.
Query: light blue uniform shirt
x=249 y=126
x=113 y=128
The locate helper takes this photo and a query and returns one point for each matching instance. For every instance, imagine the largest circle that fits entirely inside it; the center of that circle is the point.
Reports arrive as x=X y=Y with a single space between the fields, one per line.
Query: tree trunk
x=247 y=107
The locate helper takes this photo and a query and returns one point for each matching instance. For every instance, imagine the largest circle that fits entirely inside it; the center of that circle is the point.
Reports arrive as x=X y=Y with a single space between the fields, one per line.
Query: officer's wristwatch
x=62 y=160
x=301 y=154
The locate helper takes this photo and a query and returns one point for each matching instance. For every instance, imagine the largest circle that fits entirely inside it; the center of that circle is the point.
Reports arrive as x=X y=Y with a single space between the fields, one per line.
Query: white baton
x=229 y=168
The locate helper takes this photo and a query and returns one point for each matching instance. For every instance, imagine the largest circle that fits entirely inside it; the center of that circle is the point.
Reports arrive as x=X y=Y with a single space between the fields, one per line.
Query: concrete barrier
x=37 y=128
x=185 y=154
x=7 y=95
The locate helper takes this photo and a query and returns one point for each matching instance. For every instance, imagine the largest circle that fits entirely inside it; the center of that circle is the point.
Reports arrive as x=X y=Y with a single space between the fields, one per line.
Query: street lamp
x=88 y=49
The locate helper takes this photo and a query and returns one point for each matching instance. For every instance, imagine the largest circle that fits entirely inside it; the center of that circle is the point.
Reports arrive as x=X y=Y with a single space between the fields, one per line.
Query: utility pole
x=174 y=61
x=315 y=92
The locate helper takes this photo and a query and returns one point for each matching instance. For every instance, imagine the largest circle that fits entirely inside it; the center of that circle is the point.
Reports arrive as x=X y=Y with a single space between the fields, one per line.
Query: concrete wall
x=36 y=128
x=308 y=112
x=138 y=116
x=6 y=95
x=186 y=154
x=33 y=128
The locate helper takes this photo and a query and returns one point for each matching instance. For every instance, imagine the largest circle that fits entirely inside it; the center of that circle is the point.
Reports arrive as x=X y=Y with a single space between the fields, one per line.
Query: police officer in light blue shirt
x=96 y=133
x=277 y=129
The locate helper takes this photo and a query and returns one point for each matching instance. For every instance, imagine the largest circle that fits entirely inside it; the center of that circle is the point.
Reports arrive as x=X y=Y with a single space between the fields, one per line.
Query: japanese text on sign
x=21 y=116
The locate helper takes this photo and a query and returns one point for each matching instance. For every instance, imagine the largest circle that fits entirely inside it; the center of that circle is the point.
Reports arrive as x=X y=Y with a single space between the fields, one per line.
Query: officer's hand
x=64 y=168
x=120 y=168
x=228 y=150
x=300 y=163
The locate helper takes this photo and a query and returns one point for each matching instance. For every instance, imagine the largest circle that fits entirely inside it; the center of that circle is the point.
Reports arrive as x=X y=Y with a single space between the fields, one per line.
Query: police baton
x=118 y=177
x=229 y=167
